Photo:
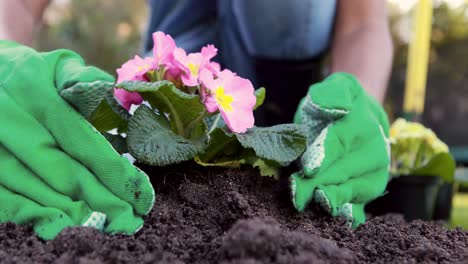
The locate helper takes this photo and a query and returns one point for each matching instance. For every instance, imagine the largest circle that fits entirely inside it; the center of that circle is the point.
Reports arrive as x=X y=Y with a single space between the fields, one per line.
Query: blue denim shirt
x=246 y=29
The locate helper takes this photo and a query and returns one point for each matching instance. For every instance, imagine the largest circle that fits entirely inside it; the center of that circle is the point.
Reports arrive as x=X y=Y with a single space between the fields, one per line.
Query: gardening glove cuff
x=346 y=162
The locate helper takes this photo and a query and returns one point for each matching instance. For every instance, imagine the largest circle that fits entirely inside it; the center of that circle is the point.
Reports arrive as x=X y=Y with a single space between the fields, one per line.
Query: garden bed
x=235 y=216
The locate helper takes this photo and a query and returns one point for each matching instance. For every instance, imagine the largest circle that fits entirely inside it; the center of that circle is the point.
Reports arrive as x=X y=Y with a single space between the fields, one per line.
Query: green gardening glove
x=56 y=170
x=346 y=163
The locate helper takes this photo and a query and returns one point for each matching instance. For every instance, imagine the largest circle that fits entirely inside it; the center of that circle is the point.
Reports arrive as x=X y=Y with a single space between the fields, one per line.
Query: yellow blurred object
x=402 y=129
x=418 y=57
x=416 y=150
x=460 y=211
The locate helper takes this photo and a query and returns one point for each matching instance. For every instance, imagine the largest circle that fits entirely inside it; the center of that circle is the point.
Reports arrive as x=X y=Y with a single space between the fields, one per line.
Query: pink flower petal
x=132 y=70
x=190 y=64
x=135 y=69
x=211 y=104
x=126 y=99
x=236 y=124
x=213 y=67
x=180 y=59
x=206 y=79
x=163 y=49
x=193 y=63
x=172 y=73
x=208 y=52
x=241 y=118
x=227 y=75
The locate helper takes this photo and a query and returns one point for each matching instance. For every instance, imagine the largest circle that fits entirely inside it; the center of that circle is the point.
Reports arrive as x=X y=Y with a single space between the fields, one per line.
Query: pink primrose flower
x=233 y=96
x=193 y=63
x=135 y=69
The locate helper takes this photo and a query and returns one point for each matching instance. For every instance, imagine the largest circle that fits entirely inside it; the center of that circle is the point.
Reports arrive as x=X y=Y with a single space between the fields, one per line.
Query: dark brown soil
x=235 y=216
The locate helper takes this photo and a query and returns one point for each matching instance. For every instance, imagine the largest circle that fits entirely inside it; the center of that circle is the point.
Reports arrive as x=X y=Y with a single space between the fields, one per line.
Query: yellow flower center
x=143 y=67
x=193 y=69
x=223 y=100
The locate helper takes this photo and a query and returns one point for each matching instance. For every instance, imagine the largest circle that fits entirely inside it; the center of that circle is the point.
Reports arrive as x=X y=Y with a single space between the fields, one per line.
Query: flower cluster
x=219 y=89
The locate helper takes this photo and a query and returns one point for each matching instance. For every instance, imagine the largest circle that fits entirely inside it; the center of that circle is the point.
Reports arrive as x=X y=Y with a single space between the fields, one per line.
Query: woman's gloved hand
x=347 y=161
x=56 y=170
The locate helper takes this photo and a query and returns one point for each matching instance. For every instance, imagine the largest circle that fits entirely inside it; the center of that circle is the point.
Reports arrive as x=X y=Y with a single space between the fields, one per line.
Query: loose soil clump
x=236 y=216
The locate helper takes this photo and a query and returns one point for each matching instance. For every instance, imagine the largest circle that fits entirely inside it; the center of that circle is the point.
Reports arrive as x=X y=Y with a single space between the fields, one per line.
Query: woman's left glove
x=56 y=170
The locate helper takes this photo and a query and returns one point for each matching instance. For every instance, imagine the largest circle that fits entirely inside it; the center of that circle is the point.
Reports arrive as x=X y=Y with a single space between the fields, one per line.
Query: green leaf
x=109 y=115
x=182 y=108
x=281 y=143
x=118 y=142
x=220 y=143
x=224 y=164
x=215 y=121
x=266 y=168
x=96 y=102
x=86 y=97
x=224 y=148
x=441 y=164
x=260 y=94
x=151 y=141
x=142 y=87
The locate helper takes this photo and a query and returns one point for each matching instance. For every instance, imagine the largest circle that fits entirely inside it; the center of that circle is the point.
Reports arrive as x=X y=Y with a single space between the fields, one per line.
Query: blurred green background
x=105 y=32
x=108 y=32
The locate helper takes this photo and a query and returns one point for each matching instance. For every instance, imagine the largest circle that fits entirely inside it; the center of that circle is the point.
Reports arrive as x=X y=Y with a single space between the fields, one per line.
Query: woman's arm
x=362 y=44
x=19 y=19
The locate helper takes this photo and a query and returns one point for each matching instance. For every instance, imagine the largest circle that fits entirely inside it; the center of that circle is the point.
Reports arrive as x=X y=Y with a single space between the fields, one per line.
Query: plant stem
x=160 y=73
x=192 y=124
x=178 y=122
x=215 y=123
x=217 y=149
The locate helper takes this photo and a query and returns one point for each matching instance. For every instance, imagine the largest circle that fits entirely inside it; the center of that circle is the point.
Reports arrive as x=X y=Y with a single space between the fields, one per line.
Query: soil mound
x=235 y=216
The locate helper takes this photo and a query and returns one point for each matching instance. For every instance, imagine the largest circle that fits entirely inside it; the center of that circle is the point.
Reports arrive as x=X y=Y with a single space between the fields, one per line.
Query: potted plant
x=420 y=165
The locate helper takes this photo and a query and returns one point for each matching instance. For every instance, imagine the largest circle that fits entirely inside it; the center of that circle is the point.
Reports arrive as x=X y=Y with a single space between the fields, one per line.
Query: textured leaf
x=181 y=108
x=142 y=87
x=260 y=94
x=86 y=97
x=222 y=150
x=441 y=164
x=281 y=143
x=151 y=141
x=109 y=115
x=220 y=144
x=96 y=102
x=118 y=142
